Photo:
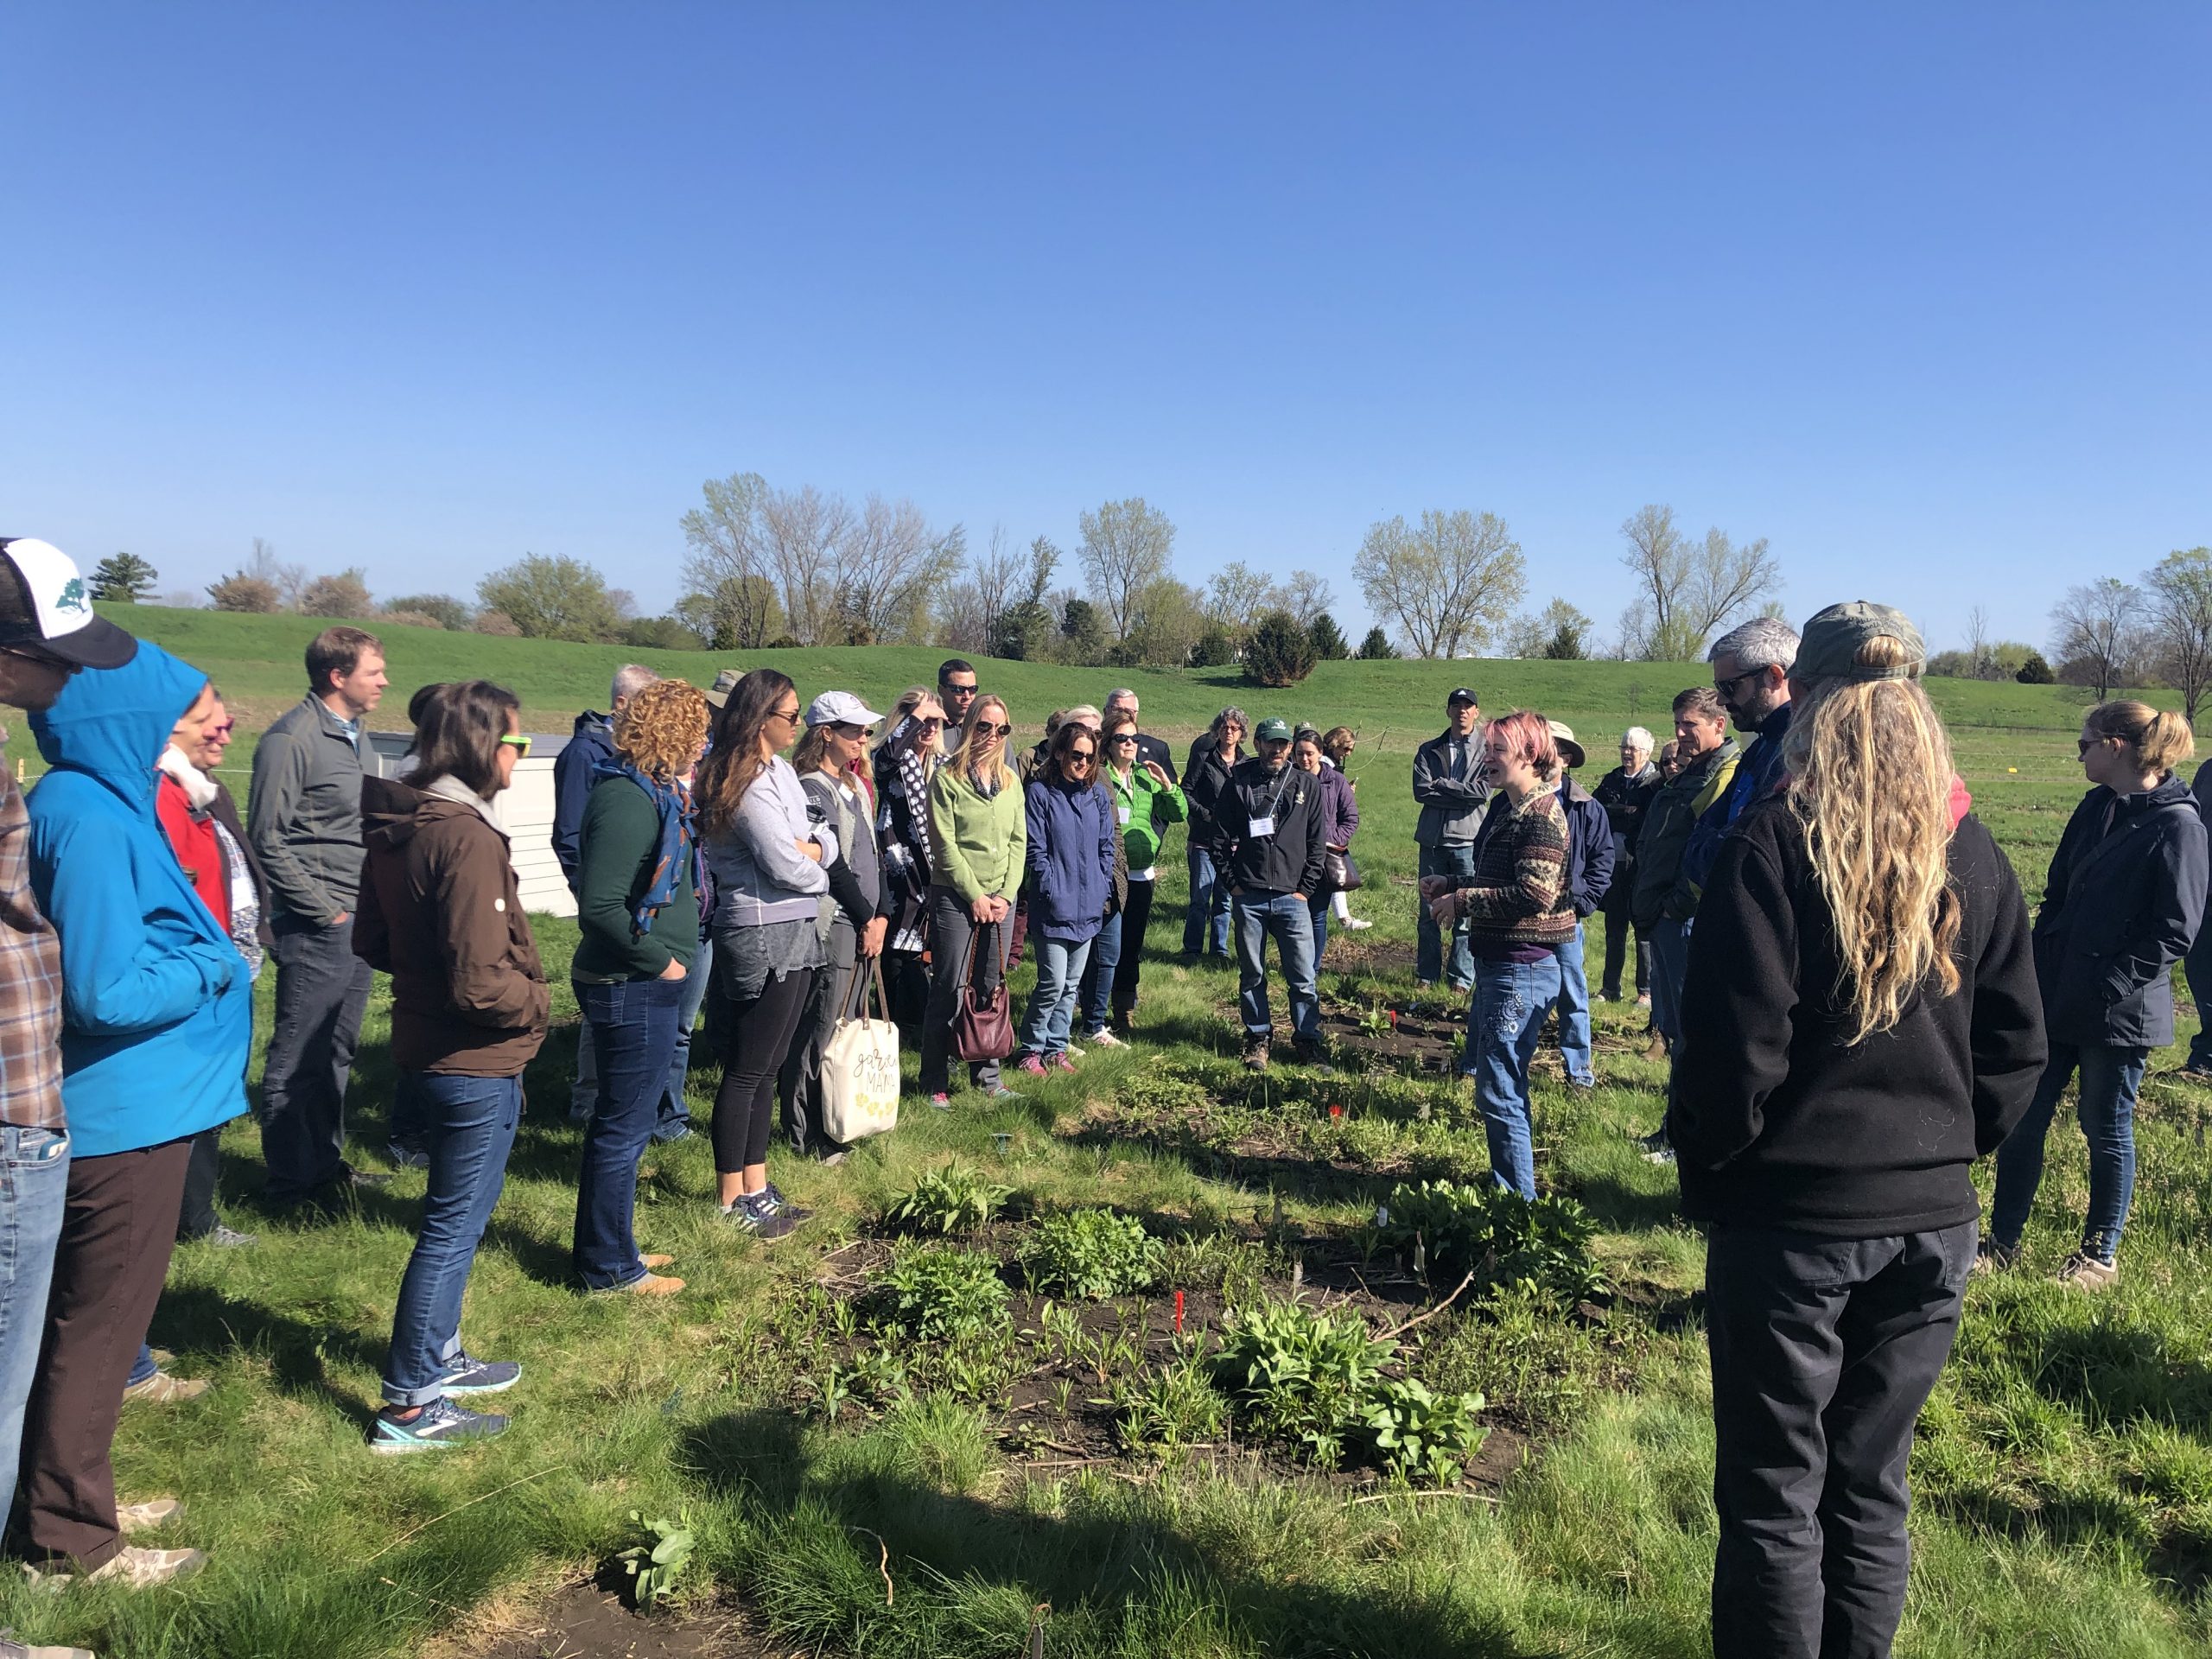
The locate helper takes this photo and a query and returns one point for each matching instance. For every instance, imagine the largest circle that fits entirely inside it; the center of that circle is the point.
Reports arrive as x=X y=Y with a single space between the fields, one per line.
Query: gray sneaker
x=757 y=1214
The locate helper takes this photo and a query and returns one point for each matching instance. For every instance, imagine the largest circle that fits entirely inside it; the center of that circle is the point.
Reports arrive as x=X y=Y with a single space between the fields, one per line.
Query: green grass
x=2063 y=1472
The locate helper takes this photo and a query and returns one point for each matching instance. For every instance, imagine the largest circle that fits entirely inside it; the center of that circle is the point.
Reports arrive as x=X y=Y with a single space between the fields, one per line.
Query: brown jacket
x=441 y=913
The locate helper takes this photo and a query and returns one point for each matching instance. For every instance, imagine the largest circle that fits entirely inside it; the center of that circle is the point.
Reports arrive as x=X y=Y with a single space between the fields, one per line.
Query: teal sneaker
x=437 y=1428
x=466 y=1376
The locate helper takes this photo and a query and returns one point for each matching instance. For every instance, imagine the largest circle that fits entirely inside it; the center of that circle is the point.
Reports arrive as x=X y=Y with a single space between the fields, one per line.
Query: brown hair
x=2159 y=738
x=661 y=726
x=458 y=734
x=337 y=650
x=1064 y=742
x=1700 y=703
x=1337 y=742
x=726 y=774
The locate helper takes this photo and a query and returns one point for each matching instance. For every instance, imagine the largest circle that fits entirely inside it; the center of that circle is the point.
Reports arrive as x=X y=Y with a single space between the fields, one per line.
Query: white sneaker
x=144 y=1517
x=1105 y=1039
x=136 y=1569
x=1356 y=923
x=11 y=1648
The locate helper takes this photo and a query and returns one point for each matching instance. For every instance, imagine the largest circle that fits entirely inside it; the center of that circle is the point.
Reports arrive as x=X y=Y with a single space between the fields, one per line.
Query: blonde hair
x=1870 y=784
x=2160 y=739
x=661 y=729
x=970 y=763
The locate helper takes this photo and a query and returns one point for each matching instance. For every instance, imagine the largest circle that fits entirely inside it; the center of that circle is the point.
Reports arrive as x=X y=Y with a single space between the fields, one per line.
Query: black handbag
x=1339 y=872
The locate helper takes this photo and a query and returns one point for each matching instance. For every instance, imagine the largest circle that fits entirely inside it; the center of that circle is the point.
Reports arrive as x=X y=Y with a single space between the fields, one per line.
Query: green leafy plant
x=1421 y=1435
x=951 y=1200
x=938 y=1294
x=1497 y=1235
x=1298 y=1375
x=653 y=1568
x=1376 y=1021
x=1176 y=1405
x=1093 y=1254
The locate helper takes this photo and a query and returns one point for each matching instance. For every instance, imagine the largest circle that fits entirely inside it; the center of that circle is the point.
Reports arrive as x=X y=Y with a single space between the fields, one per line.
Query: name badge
x=1122 y=815
x=1260 y=827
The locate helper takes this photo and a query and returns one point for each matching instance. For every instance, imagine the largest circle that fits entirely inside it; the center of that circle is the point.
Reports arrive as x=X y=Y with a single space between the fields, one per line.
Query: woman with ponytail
x=2120 y=908
x=1860 y=1022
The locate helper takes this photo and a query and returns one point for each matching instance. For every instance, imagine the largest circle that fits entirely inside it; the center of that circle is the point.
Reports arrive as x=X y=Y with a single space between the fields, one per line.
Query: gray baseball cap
x=1829 y=646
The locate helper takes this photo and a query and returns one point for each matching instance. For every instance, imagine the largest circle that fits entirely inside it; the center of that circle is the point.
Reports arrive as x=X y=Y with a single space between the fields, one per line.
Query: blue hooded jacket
x=156 y=1002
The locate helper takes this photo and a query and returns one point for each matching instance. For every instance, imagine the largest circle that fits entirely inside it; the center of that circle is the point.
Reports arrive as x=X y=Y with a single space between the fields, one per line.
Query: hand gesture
x=1445 y=908
x=1151 y=767
x=1431 y=886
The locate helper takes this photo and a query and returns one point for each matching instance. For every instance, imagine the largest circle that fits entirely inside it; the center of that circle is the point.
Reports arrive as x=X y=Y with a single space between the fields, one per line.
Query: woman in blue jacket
x=2122 y=902
x=156 y=1016
x=1069 y=820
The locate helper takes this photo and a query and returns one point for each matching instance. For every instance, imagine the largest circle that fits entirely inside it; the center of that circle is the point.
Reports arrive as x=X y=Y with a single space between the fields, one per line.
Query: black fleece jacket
x=1775 y=1121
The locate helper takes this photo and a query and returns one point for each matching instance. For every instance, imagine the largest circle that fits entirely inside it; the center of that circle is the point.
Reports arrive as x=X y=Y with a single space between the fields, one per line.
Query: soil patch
x=583 y=1621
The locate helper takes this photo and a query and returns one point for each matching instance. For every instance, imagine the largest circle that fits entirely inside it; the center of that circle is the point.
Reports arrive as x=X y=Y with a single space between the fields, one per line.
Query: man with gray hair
x=1123 y=701
x=1751 y=670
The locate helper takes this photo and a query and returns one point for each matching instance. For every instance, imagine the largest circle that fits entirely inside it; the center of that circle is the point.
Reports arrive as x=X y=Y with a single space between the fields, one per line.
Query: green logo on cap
x=72 y=597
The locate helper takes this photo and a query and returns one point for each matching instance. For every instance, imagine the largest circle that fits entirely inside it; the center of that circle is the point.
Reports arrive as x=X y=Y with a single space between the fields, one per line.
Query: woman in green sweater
x=978 y=840
x=1146 y=801
x=638 y=910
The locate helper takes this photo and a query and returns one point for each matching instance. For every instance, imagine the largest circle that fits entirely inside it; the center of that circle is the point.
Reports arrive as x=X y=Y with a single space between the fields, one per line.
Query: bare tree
x=727 y=566
x=1235 y=595
x=804 y=531
x=1451 y=584
x=1978 y=652
x=889 y=565
x=994 y=576
x=288 y=580
x=1125 y=548
x=1307 y=594
x=1688 y=590
x=2096 y=626
x=2178 y=592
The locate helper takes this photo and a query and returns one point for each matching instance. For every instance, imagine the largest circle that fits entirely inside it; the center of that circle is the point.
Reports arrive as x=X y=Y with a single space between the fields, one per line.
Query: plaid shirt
x=30 y=982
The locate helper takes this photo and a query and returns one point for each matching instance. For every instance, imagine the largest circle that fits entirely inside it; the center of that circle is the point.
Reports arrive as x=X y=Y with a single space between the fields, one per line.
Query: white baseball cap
x=839 y=709
x=43 y=603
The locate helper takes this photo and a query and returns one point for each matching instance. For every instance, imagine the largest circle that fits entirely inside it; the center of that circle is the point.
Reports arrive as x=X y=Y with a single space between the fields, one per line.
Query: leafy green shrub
x=951 y=1200
x=1093 y=1254
x=1174 y=1406
x=1424 y=1436
x=1497 y=1235
x=1299 y=1375
x=938 y=1294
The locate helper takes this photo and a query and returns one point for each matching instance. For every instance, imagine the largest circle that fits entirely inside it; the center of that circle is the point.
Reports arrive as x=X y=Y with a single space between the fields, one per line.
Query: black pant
x=761 y=1030
x=118 y=1226
x=1823 y=1353
x=322 y=989
x=798 y=1083
x=198 y=1217
x=1617 y=929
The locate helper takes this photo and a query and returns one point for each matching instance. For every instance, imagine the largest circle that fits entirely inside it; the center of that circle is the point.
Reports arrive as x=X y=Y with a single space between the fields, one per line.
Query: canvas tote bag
x=859 y=1064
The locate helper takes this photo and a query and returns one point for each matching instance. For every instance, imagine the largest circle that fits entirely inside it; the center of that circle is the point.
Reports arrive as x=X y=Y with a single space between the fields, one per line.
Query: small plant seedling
x=654 y=1569
x=952 y=1200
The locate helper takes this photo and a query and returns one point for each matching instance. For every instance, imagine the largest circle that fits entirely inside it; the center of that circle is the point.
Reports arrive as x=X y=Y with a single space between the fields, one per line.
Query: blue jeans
x=1282 y=916
x=2110 y=1078
x=1097 y=993
x=675 y=1115
x=1052 y=1004
x=34 y=1182
x=1205 y=924
x=630 y=1027
x=471 y=1127
x=1503 y=1021
x=1317 y=907
x=1575 y=1012
x=1670 y=963
x=1451 y=858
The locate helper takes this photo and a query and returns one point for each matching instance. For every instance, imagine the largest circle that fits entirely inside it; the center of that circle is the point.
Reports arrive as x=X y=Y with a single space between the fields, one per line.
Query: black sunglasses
x=1003 y=731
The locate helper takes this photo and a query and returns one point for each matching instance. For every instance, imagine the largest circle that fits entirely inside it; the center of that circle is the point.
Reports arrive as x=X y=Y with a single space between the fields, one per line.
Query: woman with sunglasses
x=442 y=913
x=1070 y=823
x=2121 y=905
x=979 y=838
x=768 y=857
x=904 y=762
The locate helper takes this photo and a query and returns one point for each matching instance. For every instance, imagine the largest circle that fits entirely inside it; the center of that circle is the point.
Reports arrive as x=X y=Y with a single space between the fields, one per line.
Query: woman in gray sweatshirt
x=767 y=852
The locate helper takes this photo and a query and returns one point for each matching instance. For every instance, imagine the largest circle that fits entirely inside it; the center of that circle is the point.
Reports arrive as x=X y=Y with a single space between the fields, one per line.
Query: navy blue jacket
x=1072 y=838
x=2121 y=905
x=1589 y=847
x=1758 y=774
x=592 y=746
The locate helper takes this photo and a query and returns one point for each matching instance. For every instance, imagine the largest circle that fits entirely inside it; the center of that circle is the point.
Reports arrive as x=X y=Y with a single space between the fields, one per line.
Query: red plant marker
x=1393 y=1013
x=1335 y=1111
x=1179 y=1313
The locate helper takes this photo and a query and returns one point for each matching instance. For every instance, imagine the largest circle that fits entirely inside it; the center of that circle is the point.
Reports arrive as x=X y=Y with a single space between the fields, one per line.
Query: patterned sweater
x=1517 y=895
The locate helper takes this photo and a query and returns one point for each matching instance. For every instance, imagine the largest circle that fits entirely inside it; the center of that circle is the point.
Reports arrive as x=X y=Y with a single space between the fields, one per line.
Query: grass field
x=854 y=1491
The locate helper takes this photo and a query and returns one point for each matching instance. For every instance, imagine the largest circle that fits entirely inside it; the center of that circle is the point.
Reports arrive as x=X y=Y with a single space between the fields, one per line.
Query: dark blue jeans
x=1205 y=922
x=1431 y=961
x=1824 y=1350
x=1671 y=965
x=1282 y=916
x=2110 y=1078
x=469 y=1123
x=322 y=989
x=630 y=1027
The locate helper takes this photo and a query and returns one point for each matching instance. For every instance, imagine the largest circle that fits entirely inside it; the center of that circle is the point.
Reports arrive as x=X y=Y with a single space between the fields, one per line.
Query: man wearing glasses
x=1751 y=670
x=955 y=690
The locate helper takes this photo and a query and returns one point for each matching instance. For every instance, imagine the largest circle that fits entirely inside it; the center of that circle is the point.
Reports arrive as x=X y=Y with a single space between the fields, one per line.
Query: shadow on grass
x=1621 y=1208
x=200 y=1317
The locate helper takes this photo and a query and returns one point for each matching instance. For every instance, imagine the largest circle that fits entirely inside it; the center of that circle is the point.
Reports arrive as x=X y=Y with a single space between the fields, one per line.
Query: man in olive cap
x=1269 y=843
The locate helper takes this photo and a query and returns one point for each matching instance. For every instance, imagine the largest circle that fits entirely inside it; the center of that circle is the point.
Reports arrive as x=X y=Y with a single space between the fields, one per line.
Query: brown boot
x=1657 y=1050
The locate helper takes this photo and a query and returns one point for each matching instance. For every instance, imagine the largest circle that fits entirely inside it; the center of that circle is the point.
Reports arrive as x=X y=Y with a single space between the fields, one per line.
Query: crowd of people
x=1837 y=960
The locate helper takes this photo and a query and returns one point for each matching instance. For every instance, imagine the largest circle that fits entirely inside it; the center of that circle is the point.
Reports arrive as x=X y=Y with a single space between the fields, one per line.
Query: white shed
x=525 y=809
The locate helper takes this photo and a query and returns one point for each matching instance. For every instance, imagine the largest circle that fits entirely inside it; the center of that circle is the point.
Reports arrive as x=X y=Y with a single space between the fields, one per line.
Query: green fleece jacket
x=978 y=843
x=1144 y=810
x=620 y=834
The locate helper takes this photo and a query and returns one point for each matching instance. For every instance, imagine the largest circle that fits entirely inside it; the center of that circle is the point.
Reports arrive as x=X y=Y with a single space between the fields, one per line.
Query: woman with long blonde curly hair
x=1860 y=1022
x=638 y=914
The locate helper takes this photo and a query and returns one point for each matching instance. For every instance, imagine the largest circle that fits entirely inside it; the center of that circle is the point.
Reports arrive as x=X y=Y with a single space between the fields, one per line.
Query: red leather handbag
x=982 y=1026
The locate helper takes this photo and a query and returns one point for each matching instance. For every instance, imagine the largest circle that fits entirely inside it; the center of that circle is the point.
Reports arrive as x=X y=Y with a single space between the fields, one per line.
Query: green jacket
x=1662 y=889
x=1144 y=810
x=978 y=845
x=615 y=849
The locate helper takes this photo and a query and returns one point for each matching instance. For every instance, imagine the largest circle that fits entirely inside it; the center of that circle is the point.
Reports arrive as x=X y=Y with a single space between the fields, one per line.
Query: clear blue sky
x=1918 y=292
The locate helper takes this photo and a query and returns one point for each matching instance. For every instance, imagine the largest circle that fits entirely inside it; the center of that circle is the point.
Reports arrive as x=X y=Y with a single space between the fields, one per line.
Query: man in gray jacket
x=1448 y=782
x=304 y=820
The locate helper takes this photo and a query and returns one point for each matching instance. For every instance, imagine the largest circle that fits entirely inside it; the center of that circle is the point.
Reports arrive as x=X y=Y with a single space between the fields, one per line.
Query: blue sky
x=1919 y=293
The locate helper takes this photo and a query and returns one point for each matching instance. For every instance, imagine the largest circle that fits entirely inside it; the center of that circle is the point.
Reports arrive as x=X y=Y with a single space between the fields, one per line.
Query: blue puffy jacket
x=156 y=1002
x=1071 y=856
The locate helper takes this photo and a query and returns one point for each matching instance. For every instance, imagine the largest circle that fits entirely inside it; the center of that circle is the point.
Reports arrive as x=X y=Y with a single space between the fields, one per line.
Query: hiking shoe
x=1061 y=1062
x=11 y=1648
x=940 y=1102
x=1664 y=1156
x=1653 y=1142
x=748 y=1211
x=1103 y=1038
x=1309 y=1051
x=2085 y=1272
x=1990 y=1256
x=227 y=1238
x=1656 y=1049
x=438 y=1426
x=1031 y=1064
x=1000 y=1091
x=782 y=1205
x=144 y=1517
x=2195 y=1073
x=467 y=1376
x=646 y=1284
x=656 y=1260
x=1256 y=1053
x=162 y=1390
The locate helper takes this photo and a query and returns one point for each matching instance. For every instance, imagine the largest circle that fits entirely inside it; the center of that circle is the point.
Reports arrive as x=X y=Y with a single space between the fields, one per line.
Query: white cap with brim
x=839 y=709
x=59 y=618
